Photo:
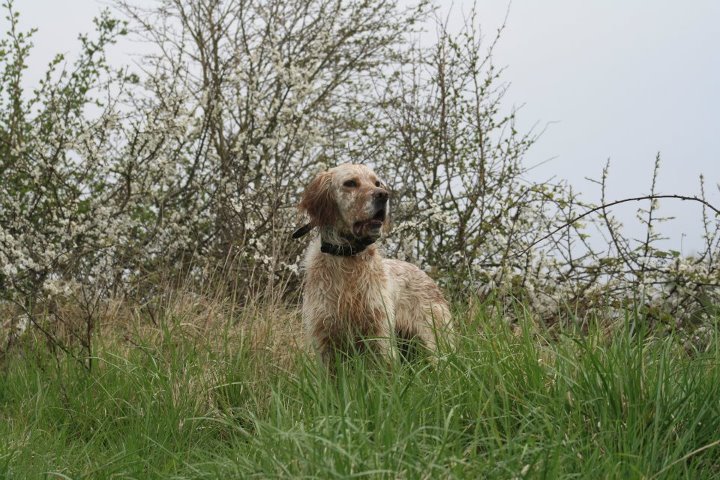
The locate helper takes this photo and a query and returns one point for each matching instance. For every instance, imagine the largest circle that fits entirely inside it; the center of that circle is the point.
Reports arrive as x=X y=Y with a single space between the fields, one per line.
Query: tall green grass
x=503 y=404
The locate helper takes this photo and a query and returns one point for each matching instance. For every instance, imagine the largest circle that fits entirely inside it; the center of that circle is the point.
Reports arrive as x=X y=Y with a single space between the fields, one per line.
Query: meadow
x=202 y=393
x=582 y=351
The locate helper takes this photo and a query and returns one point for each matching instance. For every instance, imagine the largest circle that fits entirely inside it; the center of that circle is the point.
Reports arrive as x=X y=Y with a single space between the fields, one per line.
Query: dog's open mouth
x=374 y=223
x=377 y=219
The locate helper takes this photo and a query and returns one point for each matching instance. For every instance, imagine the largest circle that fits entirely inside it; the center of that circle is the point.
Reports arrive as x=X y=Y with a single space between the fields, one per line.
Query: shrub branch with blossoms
x=118 y=181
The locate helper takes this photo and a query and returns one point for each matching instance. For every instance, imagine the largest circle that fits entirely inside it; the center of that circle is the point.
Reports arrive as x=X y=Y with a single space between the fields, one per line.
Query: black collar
x=352 y=248
x=356 y=246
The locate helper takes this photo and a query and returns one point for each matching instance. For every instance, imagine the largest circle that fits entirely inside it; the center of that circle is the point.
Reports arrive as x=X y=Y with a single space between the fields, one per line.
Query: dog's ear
x=318 y=201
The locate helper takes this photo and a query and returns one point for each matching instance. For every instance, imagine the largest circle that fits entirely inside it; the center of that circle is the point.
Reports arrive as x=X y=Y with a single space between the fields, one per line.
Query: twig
x=618 y=202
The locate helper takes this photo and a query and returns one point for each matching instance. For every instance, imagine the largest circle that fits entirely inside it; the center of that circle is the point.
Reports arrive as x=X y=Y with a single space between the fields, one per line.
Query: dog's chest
x=348 y=300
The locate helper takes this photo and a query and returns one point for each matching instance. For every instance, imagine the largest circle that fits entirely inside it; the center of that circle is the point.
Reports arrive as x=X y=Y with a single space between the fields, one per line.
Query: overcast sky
x=610 y=78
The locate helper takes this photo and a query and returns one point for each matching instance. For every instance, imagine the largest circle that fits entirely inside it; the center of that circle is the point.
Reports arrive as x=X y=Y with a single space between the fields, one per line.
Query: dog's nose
x=381 y=194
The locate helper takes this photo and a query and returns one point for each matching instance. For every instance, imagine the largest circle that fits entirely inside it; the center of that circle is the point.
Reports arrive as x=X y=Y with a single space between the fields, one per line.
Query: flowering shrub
x=58 y=220
x=114 y=180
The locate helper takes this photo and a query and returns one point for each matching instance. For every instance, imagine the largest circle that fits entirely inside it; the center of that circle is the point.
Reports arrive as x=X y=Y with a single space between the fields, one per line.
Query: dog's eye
x=350 y=183
x=377 y=183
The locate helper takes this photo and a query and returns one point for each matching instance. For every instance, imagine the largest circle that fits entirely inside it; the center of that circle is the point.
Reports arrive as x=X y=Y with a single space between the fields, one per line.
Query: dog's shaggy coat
x=353 y=298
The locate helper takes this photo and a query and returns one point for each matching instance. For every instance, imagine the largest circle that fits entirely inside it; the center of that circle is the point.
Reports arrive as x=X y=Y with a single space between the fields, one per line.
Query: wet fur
x=365 y=301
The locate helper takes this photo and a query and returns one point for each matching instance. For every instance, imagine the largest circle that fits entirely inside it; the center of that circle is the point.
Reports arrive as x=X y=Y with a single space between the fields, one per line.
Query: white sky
x=614 y=79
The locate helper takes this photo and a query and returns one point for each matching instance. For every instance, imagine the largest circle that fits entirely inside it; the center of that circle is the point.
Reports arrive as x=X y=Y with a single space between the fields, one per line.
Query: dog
x=355 y=300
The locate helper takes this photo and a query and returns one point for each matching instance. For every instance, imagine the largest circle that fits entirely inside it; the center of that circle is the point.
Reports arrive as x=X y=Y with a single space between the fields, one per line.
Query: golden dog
x=354 y=299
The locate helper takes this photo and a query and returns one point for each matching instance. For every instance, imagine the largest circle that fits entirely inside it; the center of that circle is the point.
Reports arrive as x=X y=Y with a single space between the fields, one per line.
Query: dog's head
x=349 y=200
